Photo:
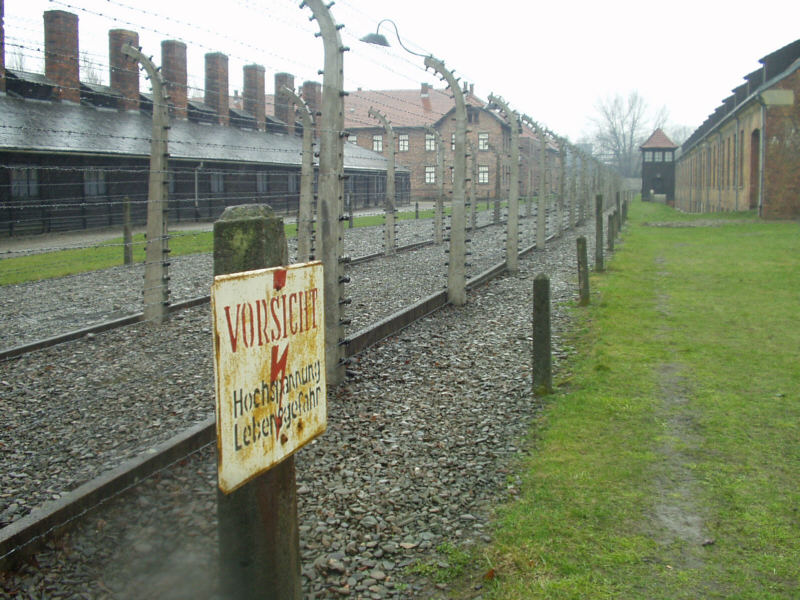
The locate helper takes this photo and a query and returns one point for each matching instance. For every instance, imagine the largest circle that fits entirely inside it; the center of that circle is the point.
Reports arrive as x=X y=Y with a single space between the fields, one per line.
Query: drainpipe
x=719 y=171
x=736 y=174
x=761 y=155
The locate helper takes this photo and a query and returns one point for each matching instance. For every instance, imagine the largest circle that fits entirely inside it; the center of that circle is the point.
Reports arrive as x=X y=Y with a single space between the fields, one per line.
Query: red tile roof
x=659 y=139
x=403 y=108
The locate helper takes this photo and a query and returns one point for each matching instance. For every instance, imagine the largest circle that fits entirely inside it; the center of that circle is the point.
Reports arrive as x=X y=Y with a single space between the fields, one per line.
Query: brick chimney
x=2 y=49
x=312 y=95
x=217 y=85
x=173 y=69
x=424 y=91
x=284 y=107
x=61 y=53
x=124 y=71
x=253 y=94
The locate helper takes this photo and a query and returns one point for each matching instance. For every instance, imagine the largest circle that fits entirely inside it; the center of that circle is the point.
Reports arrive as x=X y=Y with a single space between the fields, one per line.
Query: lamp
x=379 y=39
x=456 y=276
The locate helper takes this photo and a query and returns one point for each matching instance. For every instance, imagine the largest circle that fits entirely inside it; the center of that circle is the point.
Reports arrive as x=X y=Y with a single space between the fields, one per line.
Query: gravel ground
x=418 y=447
x=42 y=309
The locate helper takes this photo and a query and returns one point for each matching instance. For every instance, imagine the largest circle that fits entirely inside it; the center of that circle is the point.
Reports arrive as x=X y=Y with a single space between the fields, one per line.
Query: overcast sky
x=550 y=60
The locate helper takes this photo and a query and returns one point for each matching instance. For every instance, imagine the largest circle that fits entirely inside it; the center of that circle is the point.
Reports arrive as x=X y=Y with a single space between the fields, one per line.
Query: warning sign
x=269 y=367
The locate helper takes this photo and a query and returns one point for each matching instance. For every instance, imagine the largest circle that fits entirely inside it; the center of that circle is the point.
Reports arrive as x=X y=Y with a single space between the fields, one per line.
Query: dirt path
x=679 y=519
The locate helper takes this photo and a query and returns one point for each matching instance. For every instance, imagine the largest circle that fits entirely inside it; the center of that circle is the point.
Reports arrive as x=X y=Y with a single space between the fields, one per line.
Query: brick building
x=746 y=155
x=72 y=152
x=411 y=112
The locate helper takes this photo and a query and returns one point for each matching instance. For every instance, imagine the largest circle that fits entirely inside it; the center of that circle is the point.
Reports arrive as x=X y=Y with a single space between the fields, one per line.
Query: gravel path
x=42 y=309
x=417 y=449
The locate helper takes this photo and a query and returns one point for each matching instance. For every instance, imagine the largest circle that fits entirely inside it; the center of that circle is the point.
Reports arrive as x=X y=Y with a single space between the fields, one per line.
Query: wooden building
x=71 y=153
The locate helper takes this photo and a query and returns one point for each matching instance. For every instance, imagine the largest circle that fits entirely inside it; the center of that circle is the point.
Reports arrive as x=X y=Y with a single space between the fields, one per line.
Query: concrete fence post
x=330 y=230
x=541 y=205
x=127 y=232
x=541 y=360
x=390 y=226
x=156 y=290
x=473 y=184
x=438 y=212
x=456 y=267
x=583 y=272
x=305 y=204
x=512 y=224
x=598 y=240
x=259 y=548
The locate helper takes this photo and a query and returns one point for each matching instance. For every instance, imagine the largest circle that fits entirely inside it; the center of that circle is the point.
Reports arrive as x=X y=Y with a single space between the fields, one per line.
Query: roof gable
x=658 y=140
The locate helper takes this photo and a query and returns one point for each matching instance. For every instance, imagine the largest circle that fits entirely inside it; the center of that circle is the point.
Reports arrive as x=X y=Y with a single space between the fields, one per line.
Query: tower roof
x=658 y=140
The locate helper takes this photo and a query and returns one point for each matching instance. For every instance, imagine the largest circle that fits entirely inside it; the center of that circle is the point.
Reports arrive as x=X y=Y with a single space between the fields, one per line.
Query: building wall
x=722 y=172
x=719 y=173
x=417 y=158
x=782 y=155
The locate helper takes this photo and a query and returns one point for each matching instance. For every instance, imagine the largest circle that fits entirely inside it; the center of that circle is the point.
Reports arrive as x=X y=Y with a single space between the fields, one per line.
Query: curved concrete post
x=389 y=241
x=473 y=184
x=305 y=251
x=331 y=188
x=438 y=213
x=512 y=226
x=456 y=267
x=156 y=291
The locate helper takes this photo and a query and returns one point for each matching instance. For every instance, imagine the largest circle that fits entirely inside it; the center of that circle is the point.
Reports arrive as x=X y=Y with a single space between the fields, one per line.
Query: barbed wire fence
x=62 y=246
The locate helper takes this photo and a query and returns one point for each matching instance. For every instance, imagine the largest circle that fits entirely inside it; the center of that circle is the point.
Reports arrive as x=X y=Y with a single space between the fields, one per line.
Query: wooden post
x=610 y=227
x=259 y=548
x=127 y=232
x=583 y=272
x=541 y=360
x=598 y=240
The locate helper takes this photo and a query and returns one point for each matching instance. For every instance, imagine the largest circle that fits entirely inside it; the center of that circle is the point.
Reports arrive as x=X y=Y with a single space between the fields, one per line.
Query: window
x=483 y=141
x=402 y=142
x=352 y=138
x=648 y=156
x=430 y=142
x=217 y=182
x=658 y=156
x=24 y=183
x=171 y=181
x=94 y=182
x=377 y=143
x=667 y=156
x=483 y=174
x=430 y=174
x=261 y=182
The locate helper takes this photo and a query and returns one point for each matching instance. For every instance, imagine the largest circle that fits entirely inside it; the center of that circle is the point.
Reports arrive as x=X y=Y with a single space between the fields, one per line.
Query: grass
x=451 y=564
x=109 y=253
x=667 y=466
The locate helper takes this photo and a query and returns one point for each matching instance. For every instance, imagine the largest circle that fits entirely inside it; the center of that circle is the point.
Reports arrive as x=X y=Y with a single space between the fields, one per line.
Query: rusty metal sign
x=269 y=367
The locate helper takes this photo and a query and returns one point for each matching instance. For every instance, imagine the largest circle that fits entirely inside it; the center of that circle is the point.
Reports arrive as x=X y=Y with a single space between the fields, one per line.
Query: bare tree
x=15 y=59
x=620 y=127
x=90 y=69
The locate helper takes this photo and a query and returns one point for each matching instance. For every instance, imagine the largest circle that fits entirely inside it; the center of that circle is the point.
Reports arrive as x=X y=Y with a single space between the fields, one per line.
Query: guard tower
x=658 y=168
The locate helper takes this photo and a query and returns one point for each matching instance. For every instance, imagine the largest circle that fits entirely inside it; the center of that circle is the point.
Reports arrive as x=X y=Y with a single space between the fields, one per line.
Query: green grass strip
x=667 y=465
x=109 y=253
